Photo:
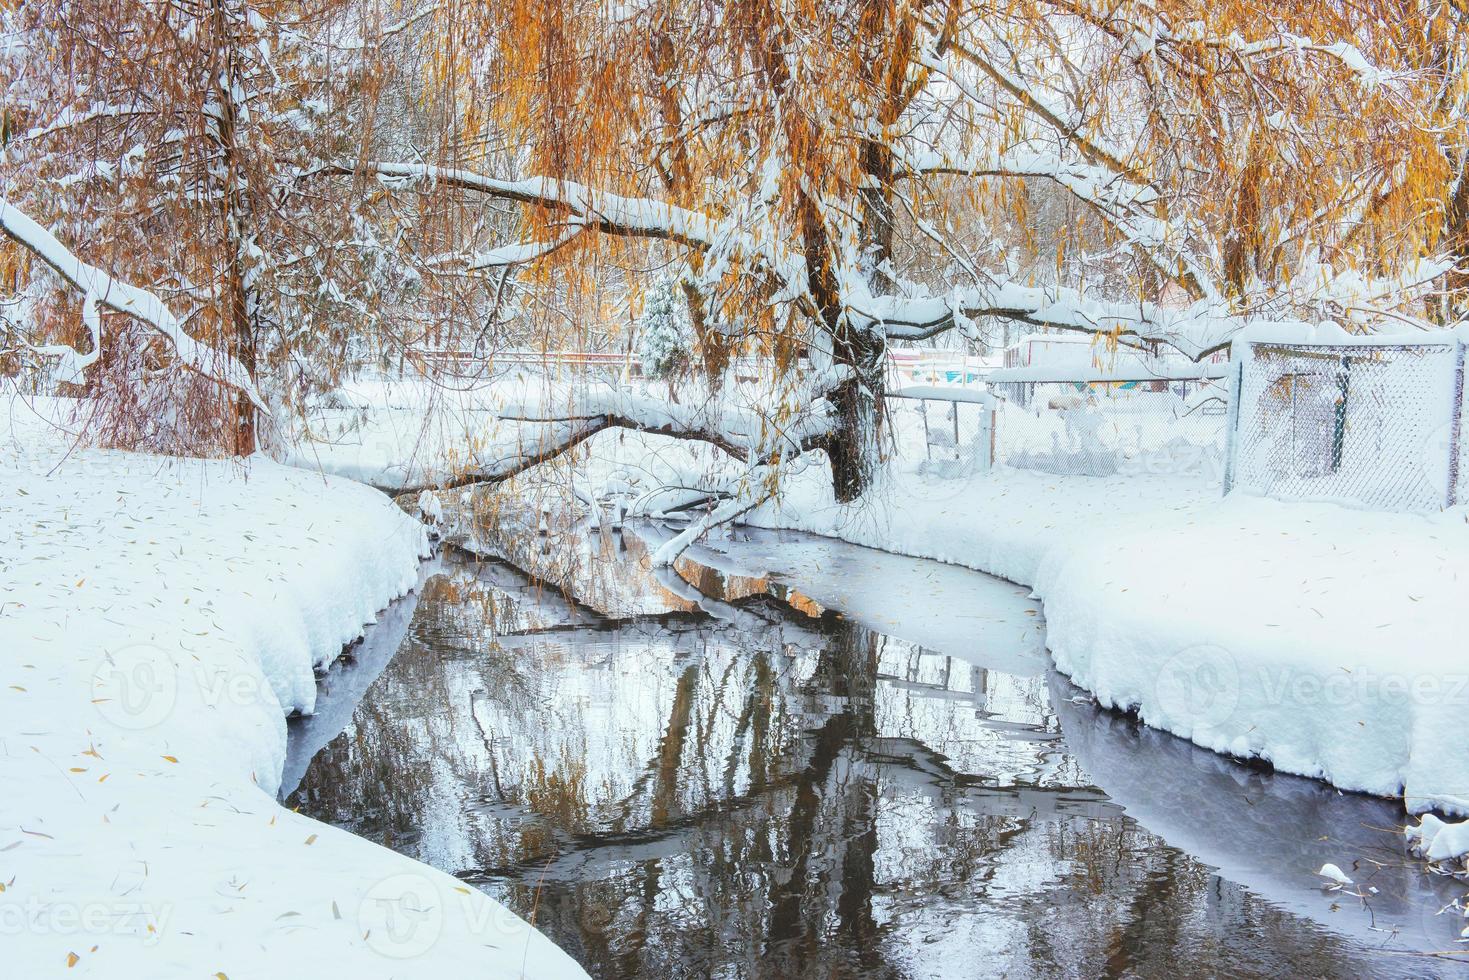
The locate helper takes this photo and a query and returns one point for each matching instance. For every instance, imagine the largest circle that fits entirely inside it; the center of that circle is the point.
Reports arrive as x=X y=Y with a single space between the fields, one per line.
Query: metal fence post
x=1231 y=426
x=927 y=439
x=987 y=435
x=1456 y=424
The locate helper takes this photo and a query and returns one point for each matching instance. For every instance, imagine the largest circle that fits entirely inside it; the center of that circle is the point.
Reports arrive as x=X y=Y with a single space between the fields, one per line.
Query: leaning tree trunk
x=855 y=447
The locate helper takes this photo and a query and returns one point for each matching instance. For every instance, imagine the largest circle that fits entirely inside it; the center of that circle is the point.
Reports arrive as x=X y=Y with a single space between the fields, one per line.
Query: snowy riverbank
x=1325 y=640
x=158 y=619
x=1317 y=637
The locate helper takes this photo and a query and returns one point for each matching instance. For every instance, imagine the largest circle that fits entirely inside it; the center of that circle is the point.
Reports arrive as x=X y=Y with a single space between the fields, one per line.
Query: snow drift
x=158 y=620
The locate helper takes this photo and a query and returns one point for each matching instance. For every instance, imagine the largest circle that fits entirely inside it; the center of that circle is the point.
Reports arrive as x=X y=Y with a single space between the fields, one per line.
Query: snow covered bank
x=1325 y=640
x=158 y=619
x=1316 y=637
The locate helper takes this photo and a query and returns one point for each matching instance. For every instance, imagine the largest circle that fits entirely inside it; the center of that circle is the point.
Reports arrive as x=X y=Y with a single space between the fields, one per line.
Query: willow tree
x=828 y=177
x=162 y=141
x=837 y=176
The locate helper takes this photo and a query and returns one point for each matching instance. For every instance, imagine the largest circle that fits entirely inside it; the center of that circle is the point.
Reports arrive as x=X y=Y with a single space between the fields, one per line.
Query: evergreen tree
x=665 y=342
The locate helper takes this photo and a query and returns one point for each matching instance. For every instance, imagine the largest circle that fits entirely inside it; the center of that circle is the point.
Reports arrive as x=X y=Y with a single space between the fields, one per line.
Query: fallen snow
x=1325 y=640
x=1439 y=841
x=157 y=621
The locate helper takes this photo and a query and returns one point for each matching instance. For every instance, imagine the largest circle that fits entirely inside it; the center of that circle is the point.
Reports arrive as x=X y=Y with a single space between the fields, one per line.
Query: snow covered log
x=546 y=428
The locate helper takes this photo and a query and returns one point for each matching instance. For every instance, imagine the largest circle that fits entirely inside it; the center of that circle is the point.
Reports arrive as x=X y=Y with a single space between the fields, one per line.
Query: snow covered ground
x=158 y=620
x=1323 y=639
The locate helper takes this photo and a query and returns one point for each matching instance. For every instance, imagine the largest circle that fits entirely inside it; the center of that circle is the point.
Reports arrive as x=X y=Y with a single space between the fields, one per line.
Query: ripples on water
x=709 y=773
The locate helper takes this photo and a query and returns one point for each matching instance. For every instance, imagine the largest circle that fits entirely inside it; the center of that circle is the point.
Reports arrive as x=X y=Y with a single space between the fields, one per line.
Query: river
x=791 y=757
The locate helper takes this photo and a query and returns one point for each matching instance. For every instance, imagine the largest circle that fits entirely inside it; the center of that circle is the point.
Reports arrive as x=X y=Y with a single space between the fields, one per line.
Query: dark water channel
x=794 y=758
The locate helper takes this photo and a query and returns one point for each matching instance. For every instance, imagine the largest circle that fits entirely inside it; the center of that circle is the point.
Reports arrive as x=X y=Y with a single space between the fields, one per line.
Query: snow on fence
x=957 y=426
x=1097 y=423
x=1375 y=421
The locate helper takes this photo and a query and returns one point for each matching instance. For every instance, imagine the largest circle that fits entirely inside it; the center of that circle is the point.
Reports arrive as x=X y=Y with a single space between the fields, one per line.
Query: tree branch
x=131 y=300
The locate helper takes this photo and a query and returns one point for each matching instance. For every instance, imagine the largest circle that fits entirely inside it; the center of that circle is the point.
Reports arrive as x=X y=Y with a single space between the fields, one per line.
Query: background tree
x=841 y=175
x=165 y=141
x=665 y=334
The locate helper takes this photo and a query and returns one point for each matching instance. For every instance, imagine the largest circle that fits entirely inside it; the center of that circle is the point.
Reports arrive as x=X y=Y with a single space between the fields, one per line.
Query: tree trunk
x=235 y=215
x=855 y=446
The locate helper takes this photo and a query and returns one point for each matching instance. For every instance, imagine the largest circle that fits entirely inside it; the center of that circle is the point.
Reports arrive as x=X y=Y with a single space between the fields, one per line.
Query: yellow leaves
x=169 y=758
x=311 y=840
x=72 y=960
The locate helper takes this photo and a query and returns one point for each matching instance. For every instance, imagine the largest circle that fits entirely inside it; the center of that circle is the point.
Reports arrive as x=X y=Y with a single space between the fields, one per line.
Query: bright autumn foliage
x=824 y=176
x=840 y=174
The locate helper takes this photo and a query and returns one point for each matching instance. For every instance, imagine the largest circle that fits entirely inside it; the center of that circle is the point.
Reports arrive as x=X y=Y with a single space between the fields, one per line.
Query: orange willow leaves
x=1272 y=132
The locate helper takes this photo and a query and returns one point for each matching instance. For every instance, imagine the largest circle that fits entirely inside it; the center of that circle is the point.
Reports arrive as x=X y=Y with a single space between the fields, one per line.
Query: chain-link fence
x=1375 y=424
x=1098 y=429
x=947 y=431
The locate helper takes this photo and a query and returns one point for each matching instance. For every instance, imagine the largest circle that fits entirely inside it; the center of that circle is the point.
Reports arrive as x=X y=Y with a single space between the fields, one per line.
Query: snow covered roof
x=1053 y=338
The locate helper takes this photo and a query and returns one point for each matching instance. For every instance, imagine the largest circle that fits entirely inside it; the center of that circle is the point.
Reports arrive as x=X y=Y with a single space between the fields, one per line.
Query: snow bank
x=1325 y=640
x=157 y=621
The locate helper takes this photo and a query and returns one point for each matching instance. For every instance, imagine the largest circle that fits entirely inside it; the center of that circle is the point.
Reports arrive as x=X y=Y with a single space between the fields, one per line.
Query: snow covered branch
x=602 y=210
x=101 y=289
x=1344 y=54
x=752 y=491
x=1196 y=331
x=547 y=429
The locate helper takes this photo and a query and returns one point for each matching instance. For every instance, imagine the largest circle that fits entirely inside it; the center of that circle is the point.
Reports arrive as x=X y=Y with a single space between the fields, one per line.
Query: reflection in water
x=728 y=780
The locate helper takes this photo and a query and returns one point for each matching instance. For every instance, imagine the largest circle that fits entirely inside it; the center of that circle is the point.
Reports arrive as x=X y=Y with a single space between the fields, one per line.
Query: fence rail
x=456 y=363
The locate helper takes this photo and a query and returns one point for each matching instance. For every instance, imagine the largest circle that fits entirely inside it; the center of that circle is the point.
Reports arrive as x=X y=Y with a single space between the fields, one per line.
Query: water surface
x=789 y=757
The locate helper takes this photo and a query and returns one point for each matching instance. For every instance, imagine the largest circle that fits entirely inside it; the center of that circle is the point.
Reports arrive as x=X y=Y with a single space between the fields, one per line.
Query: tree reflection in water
x=767 y=789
